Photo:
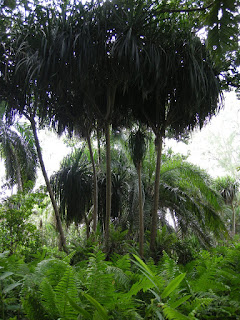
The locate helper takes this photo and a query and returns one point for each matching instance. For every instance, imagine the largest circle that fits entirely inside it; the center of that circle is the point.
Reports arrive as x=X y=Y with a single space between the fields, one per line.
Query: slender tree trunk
x=159 y=141
x=111 y=92
x=95 y=185
x=99 y=147
x=18 y=171
x=141 y=217
x=108 y=185
x=87 y=222
x=62 y=244
x=19 y=180
x=233 y=220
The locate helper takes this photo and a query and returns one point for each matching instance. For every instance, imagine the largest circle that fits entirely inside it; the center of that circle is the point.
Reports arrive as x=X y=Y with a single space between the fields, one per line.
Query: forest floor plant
x=124 y=287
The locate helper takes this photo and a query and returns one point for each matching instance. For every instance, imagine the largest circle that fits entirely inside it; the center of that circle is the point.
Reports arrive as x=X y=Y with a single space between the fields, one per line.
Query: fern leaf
x=173 y=314
x=69 y=257
x=66 y=286
x=48 y=298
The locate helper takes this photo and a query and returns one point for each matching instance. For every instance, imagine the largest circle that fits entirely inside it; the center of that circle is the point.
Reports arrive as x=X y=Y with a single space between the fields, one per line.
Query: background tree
x=72 y=187
x=19 y=153
x=229 y=188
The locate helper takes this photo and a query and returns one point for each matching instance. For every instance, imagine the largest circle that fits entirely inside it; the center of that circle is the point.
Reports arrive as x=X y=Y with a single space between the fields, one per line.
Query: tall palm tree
x=138 y=148
x=118 y=54
x=181 y=99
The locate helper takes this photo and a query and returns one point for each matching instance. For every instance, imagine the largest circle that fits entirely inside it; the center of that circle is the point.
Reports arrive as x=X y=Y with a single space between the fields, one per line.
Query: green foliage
x=72 y=186
x=18 y=233
x=19 y=153
x=123 y=288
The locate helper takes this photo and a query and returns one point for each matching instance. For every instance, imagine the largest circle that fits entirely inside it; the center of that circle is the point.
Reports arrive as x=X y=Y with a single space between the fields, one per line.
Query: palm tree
x=19 y=153
x=118 y=54
x=229 y=188
x=72 y=187
x=138 y=148
x=181 y=100
x=186 y=192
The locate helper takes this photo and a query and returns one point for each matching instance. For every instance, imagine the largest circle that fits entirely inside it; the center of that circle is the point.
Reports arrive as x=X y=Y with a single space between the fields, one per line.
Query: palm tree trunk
x=95 y=185
x=18 y=170
x=19 y=180
x=99 y=147
x=111 y=92
x=159 y=142
x=141 y=217
x=233 y=220
x=62 y=244
x=108 y=185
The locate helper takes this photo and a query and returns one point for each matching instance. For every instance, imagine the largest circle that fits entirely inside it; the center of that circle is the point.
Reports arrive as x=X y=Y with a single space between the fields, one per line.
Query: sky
x=216 y=146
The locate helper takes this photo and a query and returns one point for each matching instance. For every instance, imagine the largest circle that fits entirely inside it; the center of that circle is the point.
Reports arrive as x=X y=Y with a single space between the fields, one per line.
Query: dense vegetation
x=125 y=229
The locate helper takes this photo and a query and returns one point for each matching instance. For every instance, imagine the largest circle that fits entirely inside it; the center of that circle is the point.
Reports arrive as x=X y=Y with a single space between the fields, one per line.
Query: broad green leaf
x=144 y=266
x=102 y=312
x=85 y=313
x=177 y=303
x=173 y=285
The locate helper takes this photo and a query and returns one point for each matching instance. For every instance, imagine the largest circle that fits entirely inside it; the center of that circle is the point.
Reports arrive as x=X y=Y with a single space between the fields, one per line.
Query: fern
x=49 y=299
x=66 y=286
x=33 y=308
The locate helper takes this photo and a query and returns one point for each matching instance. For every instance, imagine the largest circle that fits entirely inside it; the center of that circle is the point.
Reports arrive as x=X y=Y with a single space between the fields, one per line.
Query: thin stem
x=108 y=186
x=141 y=216
x=159 y=141
x=44 y=172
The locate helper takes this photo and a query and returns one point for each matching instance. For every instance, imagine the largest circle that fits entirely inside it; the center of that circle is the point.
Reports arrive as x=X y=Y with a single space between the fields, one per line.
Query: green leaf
x=174 y=314
x=102 y=312
x=11 y=287
x=85 y=313
x=5 y=275
x=177 y=303
x=173 y=285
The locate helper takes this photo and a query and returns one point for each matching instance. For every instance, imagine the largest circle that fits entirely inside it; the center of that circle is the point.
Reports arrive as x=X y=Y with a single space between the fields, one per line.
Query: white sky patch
x=201 y=145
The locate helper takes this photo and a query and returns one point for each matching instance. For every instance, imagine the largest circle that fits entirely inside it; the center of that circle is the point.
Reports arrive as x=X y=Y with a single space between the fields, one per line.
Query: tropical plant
x=18 y=233
x=72 y=186
x=229 y=188
x=19 y=154
x=138 y=148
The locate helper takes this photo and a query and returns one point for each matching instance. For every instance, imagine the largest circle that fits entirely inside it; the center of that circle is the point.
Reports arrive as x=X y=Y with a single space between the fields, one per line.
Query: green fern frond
x=197 y=304
x=121 y=279
x=53 y=269
x=66 y=286
x=142 y=285
x=173 y=314
x=69 y=257
x=48 y=299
